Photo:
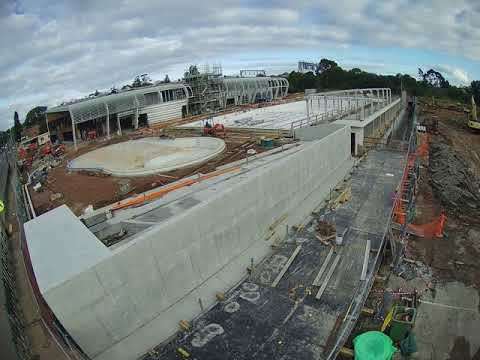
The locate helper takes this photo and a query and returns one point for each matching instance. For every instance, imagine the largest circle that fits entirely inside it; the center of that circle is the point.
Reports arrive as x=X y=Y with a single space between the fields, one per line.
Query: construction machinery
x=473 y=122
x=217 y=130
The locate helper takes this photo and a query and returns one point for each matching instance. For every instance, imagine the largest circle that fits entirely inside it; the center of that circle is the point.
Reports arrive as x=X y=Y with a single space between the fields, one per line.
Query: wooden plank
x=327 y=278
x=366 y=257
x=277 y=222
x=347 y=352
x=286 y=266
x=368 y=311
x=316 y=282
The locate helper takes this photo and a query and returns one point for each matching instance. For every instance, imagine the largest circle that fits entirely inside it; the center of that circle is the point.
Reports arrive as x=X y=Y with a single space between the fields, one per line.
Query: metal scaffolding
x=207 y=88
x=211 y=91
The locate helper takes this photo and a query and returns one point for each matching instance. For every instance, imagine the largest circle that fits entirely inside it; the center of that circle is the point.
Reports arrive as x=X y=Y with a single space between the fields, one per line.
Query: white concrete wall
x=374 y=125
x=134 y=300
x=164 y=111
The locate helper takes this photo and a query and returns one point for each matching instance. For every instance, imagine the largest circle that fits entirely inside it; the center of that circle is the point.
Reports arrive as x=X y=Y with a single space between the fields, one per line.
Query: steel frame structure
x=125 y=102
x=248 y=90
x=374 y=98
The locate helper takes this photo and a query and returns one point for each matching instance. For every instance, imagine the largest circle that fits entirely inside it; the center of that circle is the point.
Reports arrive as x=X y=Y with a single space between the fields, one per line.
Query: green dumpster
x=402 y=322
x=373 y=345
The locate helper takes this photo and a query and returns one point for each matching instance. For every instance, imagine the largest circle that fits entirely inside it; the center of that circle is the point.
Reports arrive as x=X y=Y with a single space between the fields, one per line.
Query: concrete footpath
x=448 y=319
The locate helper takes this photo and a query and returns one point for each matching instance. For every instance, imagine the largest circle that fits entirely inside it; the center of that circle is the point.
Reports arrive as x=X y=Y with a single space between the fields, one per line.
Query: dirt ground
x=456 y=256
x=452 y=128
x=81 y=189
x=449 y=313
x=78 y=190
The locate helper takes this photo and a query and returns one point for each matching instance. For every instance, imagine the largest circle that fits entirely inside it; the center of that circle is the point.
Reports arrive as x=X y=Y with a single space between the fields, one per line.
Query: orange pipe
x=169 y=188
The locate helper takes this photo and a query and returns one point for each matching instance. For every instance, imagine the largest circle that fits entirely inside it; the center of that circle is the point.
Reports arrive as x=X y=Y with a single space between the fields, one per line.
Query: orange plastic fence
x=422 y=149
x=429 y=230
x=169 y=188
x=400 y=208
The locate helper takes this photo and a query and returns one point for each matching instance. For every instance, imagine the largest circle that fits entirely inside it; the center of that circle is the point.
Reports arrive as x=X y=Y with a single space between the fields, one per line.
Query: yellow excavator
x=473 y=122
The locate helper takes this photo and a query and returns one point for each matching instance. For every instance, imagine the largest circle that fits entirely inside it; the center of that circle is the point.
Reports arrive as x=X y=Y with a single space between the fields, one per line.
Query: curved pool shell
x=149 y=156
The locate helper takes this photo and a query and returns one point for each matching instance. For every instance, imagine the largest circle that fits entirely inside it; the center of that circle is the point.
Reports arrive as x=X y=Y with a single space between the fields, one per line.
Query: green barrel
x=373 y=345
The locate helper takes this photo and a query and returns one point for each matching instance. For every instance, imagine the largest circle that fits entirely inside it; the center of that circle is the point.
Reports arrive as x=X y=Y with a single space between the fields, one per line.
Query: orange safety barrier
x=400 y=210
x=429 y=230
x=169 y=188
x=422 y=149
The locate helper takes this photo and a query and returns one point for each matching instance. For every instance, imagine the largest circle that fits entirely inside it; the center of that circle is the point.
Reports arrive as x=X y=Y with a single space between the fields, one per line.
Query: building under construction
x=217 y=244
x=211 y=91
x=201 y=92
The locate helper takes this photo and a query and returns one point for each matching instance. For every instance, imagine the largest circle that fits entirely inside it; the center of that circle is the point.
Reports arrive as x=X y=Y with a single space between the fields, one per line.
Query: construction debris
x=184 y=325
x=220 y=296
x=184 y=353
x=453 y=181
x=325 y=228
x=55 y=196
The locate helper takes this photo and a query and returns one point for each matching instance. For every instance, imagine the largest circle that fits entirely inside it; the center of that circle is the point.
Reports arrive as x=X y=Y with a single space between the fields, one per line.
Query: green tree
x=36 y=116
x=325 y=65
x=433 y=78
x=17 y=127
x=332 y=77
x=137 y=82
x=475 y=88
x=141 y=80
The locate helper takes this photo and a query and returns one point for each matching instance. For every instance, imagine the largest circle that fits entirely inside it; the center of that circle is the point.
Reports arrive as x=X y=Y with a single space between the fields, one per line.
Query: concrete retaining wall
x=134 y=299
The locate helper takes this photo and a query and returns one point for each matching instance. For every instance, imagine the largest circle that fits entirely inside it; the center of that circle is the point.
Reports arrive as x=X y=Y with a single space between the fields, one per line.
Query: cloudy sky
x=59 y=50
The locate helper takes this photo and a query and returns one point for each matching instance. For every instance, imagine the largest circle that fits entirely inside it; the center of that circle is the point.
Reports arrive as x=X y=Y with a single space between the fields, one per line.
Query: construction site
x=223 y=218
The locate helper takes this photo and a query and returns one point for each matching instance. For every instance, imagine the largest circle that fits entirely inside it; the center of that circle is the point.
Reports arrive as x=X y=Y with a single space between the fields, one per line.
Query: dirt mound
x=453 y=181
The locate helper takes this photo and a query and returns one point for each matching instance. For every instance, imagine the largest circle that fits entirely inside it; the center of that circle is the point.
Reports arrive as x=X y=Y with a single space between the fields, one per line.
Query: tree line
x=330 y=76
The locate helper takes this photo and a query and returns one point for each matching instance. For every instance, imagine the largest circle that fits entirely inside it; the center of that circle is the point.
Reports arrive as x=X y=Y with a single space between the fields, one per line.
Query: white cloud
x=454 y=75
x=55 y=50
x=460 y=76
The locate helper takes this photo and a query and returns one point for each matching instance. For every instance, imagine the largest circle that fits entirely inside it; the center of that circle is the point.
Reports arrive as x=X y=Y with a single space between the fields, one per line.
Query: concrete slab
x=447 y=324
x=149 y=155
x=270 y=117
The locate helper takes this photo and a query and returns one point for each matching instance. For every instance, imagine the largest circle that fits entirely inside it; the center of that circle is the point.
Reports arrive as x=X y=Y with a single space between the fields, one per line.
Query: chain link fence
x=15 y=344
